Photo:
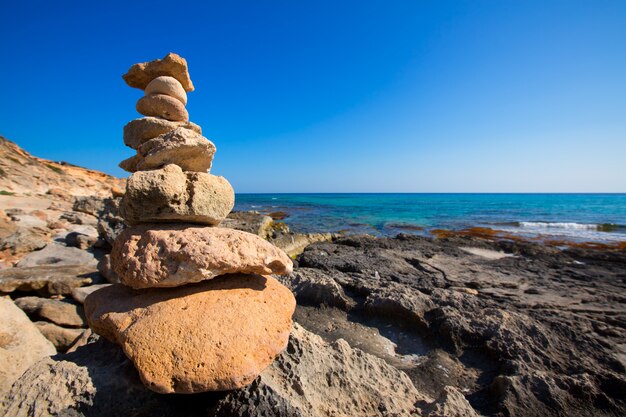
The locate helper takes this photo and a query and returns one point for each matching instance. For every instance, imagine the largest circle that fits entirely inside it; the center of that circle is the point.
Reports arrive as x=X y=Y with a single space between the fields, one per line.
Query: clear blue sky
x=338 y=96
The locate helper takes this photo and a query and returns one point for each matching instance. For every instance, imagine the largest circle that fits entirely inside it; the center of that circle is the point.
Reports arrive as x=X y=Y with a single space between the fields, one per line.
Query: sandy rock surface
x=169 y=86
x=157 y=255
x=137 y=131
x=140 y=75
x=171 y=195
x=216 y=335
x=21 y=344
x=183 y=147
x=160 y=105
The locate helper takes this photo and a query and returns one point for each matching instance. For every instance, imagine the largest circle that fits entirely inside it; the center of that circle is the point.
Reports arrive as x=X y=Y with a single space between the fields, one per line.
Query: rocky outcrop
x=21 y=344
x=21 y=174
x=311 y=378
x=517 y=335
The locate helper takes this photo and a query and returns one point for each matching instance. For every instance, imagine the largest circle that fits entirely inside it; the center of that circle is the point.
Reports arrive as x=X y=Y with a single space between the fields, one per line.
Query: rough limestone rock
x=140 y=75
x=160 y=105
x=57 y=311
x=155 y=255
x=130 y=164
x=21 y=344
x=169 y=86
x=138 y=131
x=79 y=294
x=213 y=336
x=56 y=254
x=105 y=269
x=312 y=286
x=183 y=147
x=311 y=378
x=170 y=195
x=61 y=337
x=49 y=279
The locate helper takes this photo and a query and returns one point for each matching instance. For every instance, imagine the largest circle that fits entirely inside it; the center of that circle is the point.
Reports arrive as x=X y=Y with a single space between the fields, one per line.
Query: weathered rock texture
x=21 y=344
x=160 y=105
x=137 y=131
x=311 y=378
x=156 y=255
x=48 y=279
x=140 y=75
x=171 y=195
x=182 y=147
x=216 y=335
x=61 y=312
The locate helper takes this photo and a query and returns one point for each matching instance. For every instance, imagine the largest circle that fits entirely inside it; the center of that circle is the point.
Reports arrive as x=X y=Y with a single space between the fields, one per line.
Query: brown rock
x=21 y=344
x=139 y=75
x=49 y=279
x=138 y=131
x=104 y=267
x=117 y=192
x=183 y=147
x=57 y=311
x=160 y=105
x=79 y=294
x=169 y=86
x=130 y=164
x=60 y=337
x=172 y=255
x=170 y=195
x=213 y=336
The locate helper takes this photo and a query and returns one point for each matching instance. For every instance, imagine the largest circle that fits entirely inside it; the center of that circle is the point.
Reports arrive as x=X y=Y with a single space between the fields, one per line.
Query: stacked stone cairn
x=196 y=309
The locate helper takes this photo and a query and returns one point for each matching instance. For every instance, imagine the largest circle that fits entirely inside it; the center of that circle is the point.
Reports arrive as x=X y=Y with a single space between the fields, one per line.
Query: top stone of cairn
x=172 y=65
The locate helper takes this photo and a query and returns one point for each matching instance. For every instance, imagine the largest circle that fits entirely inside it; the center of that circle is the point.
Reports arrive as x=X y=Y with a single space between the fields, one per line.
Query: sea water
x=583 y=217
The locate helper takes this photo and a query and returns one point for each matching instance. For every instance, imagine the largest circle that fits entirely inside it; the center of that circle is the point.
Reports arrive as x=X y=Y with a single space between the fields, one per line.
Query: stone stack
x=197 y=309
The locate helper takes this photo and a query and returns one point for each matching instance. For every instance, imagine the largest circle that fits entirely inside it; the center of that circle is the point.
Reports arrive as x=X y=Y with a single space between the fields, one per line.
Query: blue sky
x=328 y=96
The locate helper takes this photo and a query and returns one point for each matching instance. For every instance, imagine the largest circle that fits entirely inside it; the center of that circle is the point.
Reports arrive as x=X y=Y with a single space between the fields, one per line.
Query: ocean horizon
x=573 y=216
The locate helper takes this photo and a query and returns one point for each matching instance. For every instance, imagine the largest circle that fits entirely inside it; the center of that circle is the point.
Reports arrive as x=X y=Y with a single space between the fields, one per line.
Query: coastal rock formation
x=172 y=195
x=156 y=255
x=311 y=378
x=216 y=335
x=192 y=336
x=21 y=344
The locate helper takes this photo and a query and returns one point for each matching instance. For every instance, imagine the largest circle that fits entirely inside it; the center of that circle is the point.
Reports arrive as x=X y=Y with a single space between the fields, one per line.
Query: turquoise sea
x=580 y=217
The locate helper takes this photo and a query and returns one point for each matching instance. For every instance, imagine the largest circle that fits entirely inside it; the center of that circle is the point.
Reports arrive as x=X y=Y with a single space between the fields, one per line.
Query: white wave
x=557 y=225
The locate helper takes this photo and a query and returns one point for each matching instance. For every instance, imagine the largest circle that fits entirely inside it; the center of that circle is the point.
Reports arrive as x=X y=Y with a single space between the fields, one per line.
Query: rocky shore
x=456 y=325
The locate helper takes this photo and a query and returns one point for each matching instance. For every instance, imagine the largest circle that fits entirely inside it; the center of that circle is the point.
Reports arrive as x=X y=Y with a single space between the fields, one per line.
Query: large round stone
x=169 y=86
x=154 y=255
x=213 y=336
x=171 y=195
x=160 y=105
x=137 y=131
